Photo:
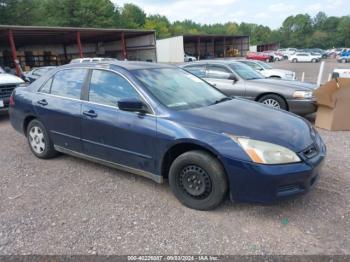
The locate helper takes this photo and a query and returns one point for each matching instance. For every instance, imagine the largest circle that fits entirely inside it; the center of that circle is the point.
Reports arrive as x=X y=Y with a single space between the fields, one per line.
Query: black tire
x=295 y=60
x=44 y=152
x=314 y=60
x=198 y=180
x=343 y=61
x=190 y=60
x=266 y=99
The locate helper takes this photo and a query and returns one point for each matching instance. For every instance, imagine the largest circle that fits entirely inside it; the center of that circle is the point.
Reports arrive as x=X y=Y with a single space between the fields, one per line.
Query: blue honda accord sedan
x=162 y=122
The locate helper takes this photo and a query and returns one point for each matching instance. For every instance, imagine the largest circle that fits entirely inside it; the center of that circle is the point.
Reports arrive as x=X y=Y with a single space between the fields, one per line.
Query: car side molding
x=154 y=177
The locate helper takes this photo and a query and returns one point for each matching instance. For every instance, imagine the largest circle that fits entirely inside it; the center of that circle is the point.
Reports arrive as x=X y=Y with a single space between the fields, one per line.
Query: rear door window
x=198 y=70
x=108 y=88
x=68 y=83
x=218 y=72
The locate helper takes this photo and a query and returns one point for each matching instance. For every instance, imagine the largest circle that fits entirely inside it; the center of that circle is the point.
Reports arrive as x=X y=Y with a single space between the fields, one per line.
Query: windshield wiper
x=226 y=98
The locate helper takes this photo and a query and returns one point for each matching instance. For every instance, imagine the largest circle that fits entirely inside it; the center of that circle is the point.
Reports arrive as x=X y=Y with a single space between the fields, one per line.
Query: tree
x=80 y=13
x=159 y=23
x=132 y=16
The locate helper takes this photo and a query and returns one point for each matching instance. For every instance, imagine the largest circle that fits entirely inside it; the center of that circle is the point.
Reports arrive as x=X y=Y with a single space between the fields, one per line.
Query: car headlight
x=266 y=153
x=302 y=94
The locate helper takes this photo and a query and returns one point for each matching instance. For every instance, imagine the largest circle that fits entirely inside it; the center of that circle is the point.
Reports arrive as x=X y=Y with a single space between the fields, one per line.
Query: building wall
x=141 y=48
x=170 y=50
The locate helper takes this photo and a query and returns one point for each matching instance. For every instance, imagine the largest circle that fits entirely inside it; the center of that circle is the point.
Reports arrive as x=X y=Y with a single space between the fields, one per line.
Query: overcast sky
x=266 y=12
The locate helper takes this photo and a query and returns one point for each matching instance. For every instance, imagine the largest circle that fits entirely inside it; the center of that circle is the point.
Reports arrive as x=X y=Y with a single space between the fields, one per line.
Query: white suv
x=304 y=57
x=267 y=71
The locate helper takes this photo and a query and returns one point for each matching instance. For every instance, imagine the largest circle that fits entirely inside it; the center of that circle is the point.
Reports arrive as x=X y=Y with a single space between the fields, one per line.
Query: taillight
x=12 y=100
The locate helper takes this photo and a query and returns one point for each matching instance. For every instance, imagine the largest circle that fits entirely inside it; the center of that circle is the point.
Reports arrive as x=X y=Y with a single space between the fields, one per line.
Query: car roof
x=127 y=65
x=214 y=61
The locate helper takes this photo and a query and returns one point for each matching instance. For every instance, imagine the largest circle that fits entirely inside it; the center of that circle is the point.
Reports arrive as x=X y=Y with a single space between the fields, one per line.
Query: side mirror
x=132 y=105
x=233 y=77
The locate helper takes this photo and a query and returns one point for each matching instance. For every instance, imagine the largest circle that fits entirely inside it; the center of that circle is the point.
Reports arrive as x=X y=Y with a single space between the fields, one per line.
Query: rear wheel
x=267 y=60
x=343 y=61
x=198 y=180
x=314 y=60
x=39 y=141
x=295 y=60
x=273 y=101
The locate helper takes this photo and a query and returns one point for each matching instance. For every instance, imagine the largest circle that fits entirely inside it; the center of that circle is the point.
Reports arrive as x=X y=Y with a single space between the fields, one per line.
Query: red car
x=260 y=56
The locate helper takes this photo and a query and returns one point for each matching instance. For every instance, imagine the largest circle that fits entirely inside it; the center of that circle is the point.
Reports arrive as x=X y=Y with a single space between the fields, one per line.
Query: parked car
x=287 y=52
x=267 y=70
x=189 y=58
x=341 y=72
x=344 y=59
x=93 y=59
x=239 y=80
x=344 y=53
x=160 y=121
x=259 y=56
x=35 y=73
x=276 y=56
x=304 y=57
x=8 y=83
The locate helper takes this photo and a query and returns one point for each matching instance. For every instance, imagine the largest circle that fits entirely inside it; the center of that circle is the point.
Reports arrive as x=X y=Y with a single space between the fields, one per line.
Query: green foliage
x=132 y=16
x=296 y=31
x=159 y=23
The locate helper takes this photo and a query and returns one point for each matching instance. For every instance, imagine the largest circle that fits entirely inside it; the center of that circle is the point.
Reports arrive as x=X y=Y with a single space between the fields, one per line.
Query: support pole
x=199 y=47
x=80 y=48
x=14 y=52
x=123 y=46
x=224 y=47
x=320 y=74
x=213 y=44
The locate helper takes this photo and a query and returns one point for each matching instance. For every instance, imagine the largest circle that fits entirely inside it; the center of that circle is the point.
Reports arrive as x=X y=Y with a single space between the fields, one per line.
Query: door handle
x=90 y=113
x=42 y=102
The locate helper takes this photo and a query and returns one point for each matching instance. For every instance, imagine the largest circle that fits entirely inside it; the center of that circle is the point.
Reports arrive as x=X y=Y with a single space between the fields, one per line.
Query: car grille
x=289 y=189
x=6 y=91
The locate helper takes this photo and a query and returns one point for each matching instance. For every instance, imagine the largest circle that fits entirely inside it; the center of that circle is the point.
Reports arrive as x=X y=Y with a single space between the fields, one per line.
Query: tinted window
x=252 y=65
x=46 y=87
x=198 y=70
x=218 y=72
x=108 y=88
x=245 y=71
x=178 y=89
x=68 y=83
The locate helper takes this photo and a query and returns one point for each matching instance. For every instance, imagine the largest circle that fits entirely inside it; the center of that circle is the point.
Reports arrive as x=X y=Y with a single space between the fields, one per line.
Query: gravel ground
x=71 y=206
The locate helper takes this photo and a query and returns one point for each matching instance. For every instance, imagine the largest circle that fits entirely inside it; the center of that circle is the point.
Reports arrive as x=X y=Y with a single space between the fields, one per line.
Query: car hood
x=249 y=119
x=10 y=79
x=297 y=85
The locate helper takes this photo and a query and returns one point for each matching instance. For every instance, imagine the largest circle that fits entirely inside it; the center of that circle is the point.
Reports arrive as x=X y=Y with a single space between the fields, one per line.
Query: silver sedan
x=237 y=79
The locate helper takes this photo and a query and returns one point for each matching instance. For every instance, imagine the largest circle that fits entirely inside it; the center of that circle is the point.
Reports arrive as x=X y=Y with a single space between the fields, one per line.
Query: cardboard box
x=333 y=99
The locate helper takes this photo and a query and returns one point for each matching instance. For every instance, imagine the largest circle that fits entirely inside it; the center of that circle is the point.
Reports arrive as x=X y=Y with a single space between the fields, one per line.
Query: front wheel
x=314 y=60
x=295 y=60
x=343 y=61
x=273 y=101
x=39 y=140
x=198 y=180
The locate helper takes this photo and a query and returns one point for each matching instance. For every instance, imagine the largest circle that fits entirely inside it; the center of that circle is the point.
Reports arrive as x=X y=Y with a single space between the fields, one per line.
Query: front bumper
x=302 y=106
x=268 y=183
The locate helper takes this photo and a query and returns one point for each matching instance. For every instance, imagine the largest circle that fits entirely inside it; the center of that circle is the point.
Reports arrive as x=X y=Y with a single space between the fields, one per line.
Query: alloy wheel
x=271 y=102
x=37 y=140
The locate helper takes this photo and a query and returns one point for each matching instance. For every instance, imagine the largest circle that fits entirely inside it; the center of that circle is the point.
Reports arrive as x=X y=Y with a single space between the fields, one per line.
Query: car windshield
x=178 y=89
x=245 y=72
x=264 y=65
